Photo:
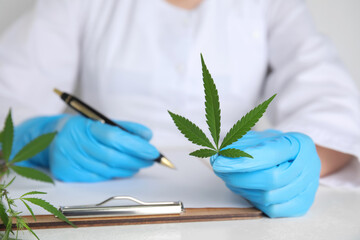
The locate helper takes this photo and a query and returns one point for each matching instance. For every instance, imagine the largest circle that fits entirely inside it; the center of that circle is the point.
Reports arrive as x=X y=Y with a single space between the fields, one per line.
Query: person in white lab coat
x=134 y=59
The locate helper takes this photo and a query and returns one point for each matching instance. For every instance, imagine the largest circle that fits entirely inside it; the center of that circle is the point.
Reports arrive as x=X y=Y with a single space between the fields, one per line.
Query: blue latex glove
x=283 y=177
x=88 y=151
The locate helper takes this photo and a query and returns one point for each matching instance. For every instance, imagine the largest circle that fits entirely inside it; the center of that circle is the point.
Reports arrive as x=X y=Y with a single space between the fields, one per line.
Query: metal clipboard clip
x=142 y=208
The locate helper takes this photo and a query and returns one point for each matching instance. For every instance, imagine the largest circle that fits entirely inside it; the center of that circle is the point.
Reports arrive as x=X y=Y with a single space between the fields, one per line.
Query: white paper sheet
x=192 y=182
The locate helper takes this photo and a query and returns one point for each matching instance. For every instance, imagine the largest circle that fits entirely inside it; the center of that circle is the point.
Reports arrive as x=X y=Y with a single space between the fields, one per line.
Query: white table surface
x=334 y=215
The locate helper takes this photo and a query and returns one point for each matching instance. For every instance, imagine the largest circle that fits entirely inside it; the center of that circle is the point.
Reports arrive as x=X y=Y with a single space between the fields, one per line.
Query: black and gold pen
x=89 y=112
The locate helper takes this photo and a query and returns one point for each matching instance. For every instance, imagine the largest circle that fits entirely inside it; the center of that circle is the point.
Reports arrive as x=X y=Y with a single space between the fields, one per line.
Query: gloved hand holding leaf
x=277 y=172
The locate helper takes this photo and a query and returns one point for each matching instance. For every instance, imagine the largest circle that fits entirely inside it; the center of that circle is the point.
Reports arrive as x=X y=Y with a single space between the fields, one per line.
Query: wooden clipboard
x=199 y=181
x=138 y=212
x=189 y=215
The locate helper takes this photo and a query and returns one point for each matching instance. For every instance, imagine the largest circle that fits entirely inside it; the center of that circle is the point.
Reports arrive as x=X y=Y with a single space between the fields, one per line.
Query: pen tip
x=166 y=162
x=57 y=91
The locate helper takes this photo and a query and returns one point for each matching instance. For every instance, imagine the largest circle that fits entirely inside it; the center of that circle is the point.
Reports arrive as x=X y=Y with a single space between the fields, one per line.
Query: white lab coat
x=135 y=59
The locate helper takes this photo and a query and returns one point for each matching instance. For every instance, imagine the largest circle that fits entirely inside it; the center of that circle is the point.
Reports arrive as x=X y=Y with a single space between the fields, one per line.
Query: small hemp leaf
x=29 y=208
x=244 y=125
x=212 y=104
x=31 y=149
x=8 y=184
x=234 y=153
x=191 y=131
x=7 y=137
x=203 y=153
x=48 y=207
x=212 y=109
x=22 y=224
x=26 y=205
x=3 y=214
x=34 y=147
x=31 y=173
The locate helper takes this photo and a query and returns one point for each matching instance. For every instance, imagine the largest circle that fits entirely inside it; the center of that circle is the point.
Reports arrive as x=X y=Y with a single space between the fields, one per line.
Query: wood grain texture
x=189 y=215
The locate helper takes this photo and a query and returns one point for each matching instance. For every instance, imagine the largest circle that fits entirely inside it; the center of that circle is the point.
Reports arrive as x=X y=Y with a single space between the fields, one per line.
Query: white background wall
x=338 y=19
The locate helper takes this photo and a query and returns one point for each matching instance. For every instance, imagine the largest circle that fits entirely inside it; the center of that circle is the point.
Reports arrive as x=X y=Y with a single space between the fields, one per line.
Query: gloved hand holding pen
x=85 y=150
x=283 y=177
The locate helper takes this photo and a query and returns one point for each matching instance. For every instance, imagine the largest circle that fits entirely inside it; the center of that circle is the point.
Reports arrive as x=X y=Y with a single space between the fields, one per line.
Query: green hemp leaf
x=7 y=137
x=212 y=104
x=212 y=113
x=3 y=215
x=34 y=147
x=48 y=207
x=7 y=204
x=1 y=137
x=29 y=150
x=31 y=173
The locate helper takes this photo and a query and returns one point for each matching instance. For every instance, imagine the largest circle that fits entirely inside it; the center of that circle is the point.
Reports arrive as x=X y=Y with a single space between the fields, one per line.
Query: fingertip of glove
x=154 y=154
x=145 y=151
x=222 y=164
